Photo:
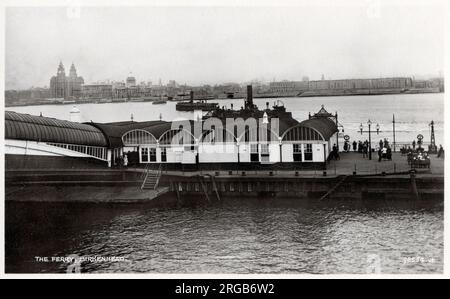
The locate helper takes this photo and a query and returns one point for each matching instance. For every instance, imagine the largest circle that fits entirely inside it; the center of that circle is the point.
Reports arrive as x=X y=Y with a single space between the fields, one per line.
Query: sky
x=213 y=45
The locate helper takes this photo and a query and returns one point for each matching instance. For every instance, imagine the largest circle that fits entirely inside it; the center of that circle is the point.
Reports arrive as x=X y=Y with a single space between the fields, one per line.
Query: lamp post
x=280 y=141
x=369 y=124
x=393 y=128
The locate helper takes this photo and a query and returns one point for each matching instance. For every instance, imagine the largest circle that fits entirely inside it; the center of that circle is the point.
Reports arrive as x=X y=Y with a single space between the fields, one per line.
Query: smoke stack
x=191 y=95
x=250 y=96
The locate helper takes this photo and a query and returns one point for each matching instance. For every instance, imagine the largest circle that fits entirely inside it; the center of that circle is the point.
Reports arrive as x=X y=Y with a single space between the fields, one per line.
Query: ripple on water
x=233 y=237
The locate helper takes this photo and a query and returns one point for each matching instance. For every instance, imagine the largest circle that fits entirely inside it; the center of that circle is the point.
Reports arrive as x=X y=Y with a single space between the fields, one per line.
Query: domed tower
x=131 y=81
x=61 y=72
x=74 y=83
x=58 y=83
x=73 y=71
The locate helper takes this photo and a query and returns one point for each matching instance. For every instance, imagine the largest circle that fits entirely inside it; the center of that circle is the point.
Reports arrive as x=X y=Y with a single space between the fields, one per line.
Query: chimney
x=250 y=96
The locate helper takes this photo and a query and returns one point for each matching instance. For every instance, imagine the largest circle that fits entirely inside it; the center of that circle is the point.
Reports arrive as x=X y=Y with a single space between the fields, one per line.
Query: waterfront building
x=275 y=137
x=288 y=87
x=97 y=91
x=377 y=83
x=130 y=81
x=62 y=86
x=43 y=142
x=293 y=88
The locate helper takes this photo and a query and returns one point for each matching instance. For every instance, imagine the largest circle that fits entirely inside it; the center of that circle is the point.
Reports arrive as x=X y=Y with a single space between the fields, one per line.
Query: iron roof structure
x=44 y=129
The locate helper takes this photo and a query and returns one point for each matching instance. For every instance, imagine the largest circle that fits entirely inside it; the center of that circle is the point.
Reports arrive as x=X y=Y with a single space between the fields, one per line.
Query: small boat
x=159 y=102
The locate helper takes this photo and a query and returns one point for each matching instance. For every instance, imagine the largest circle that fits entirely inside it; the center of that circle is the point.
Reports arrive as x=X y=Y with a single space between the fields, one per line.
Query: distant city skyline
x=216 y=45
x=159 y=81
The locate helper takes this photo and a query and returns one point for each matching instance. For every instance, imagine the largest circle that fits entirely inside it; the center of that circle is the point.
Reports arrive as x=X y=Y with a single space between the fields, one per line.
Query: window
x=163 y=154
x=144 y=155
x=264 y=149
x=265 y=153
x=153 y=155
x=308 y=152
x=254 y=154
x=297 y=153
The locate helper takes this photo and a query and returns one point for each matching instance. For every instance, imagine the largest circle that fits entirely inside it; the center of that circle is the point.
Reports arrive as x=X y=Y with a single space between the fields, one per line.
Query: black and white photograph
x=273 y=139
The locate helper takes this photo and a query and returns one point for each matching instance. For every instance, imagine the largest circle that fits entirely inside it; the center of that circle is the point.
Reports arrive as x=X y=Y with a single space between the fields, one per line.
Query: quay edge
x=116 y=186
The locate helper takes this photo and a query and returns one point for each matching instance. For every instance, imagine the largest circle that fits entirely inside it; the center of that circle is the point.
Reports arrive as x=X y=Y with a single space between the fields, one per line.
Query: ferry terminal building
x=35 y=142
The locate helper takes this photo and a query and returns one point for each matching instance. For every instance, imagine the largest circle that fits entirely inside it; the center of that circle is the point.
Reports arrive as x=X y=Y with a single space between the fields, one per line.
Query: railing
x=146 y=174
x=158 y=176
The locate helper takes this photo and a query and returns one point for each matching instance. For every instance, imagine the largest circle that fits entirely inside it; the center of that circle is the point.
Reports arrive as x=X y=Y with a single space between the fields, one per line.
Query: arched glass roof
x=43 y=129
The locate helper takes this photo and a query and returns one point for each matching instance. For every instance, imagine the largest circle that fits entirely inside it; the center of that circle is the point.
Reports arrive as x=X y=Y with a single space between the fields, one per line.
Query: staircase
x=151 y=179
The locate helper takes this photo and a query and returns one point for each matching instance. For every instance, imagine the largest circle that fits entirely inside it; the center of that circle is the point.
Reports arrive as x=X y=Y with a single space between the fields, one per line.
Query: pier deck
x=345 y=166
x=123 y=185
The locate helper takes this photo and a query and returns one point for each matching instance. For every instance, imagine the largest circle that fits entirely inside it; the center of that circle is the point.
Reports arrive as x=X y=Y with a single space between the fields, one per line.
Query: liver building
x=67 y=87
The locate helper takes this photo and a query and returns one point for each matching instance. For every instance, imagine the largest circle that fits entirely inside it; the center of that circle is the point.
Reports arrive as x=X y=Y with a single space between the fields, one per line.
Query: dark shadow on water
x=136 y=230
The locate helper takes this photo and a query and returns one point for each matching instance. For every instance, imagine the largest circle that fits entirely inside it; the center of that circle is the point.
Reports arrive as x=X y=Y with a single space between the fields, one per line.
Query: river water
x=233 y=236
x=413 y=113
x=240 y=236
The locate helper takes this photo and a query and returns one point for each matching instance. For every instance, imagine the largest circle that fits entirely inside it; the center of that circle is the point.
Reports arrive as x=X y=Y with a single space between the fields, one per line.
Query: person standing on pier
x=414 y=144
x=354 y=145
x=381 y=143
x=335 y=152
x=364 y=150
x=389 y=153
x=125 y=160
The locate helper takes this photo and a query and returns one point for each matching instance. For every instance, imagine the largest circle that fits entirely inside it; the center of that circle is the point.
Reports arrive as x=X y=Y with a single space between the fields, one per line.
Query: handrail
x=159 y=176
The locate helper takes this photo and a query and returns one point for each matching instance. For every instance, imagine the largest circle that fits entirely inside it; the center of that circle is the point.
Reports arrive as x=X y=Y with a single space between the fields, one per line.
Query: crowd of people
x=416 y=153
x=384 y=149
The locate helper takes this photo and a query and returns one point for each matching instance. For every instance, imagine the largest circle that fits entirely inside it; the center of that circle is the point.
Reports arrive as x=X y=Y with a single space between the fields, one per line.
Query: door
x=254 y=153
x=297 y=153
x=163 y=154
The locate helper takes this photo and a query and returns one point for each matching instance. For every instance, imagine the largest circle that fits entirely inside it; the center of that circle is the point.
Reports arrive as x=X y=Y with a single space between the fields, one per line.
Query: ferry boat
x=199 y=105
x=192 y=106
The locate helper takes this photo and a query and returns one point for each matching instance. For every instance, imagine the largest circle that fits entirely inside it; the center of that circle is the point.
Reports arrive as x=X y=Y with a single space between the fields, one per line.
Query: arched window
x=255 y=135
x=138 y=137
x=301 y=133
x=213 y=136
x=177 y=137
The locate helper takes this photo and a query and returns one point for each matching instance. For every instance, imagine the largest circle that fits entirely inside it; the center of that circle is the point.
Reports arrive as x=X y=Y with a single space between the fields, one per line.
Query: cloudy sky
x=209 y=45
